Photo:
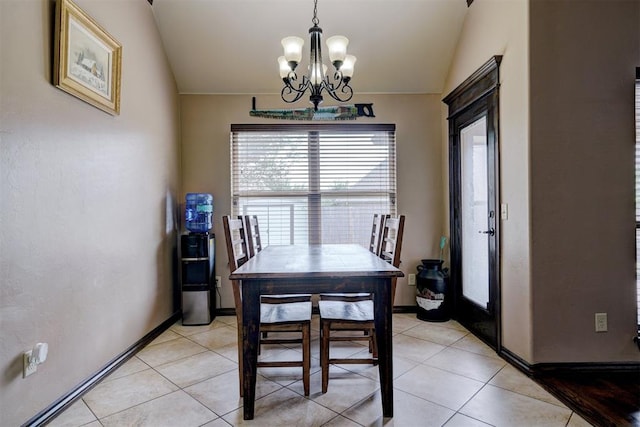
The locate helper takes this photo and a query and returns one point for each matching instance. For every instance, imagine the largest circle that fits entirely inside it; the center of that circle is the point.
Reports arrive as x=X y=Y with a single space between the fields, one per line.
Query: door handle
x=490 y=232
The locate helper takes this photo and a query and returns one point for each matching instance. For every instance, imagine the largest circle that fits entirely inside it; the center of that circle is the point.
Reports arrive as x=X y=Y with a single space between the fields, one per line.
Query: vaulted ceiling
x=231 y=46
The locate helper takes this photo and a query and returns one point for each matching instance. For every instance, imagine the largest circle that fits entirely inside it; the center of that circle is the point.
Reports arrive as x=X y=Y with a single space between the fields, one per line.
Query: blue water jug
x=198 y=212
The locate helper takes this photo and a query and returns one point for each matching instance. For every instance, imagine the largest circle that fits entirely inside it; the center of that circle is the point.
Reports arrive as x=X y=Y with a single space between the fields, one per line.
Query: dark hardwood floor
x=602 y=398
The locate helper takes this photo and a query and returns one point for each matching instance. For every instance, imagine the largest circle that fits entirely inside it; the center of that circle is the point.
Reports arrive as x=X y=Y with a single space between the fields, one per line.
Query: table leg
x=383 y=322
x=250 y=333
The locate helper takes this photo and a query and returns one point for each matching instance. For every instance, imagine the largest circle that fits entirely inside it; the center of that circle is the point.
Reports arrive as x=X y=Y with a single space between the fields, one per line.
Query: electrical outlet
x=218 y=282
x=601 y=322
x=28 y=367
x=412 y=280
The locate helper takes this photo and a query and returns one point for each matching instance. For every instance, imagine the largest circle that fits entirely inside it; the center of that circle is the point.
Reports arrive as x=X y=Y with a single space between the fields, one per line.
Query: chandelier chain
x=315 y=19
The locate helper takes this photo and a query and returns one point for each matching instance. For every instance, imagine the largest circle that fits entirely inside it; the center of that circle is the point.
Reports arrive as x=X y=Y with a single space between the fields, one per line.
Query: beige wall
x=566 y=153
x=85 y=235
x=206 y=121
x=500 y=27
x=583 y=59
x=87 y=199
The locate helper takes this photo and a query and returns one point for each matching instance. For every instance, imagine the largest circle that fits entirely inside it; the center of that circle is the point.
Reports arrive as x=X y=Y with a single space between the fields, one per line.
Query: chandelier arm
x=290 y=93
x=340 y=84
x=345 y=89
x=330 y=86
x=302 y=87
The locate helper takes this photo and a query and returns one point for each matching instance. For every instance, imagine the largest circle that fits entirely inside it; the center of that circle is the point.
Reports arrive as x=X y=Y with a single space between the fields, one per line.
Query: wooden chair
x=377 y=229
x=375 y=243
x=280 y=313
x=346 y=312
x=254 y=245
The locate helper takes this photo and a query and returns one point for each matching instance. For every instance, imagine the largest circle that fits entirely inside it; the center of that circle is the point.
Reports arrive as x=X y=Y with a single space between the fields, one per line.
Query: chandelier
x=317 y=80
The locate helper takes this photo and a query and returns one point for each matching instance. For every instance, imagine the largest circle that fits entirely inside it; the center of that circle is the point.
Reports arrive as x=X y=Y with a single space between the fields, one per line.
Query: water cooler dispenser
x=198 y=278
x=197 y=253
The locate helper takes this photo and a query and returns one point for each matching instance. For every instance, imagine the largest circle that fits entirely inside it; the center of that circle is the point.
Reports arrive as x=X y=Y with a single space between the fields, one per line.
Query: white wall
x=206 y=123
x=86 y=239
x=500 y=27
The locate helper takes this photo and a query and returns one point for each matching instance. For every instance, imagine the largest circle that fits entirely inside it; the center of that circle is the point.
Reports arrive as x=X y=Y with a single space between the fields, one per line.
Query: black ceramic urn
x=432 y=282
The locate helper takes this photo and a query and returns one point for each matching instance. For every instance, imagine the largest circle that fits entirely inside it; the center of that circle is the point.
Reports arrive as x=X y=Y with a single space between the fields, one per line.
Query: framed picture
x=87 y=60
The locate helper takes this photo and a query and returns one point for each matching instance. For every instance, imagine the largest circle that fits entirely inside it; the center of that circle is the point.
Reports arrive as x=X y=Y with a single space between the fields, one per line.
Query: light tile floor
x=443 y=376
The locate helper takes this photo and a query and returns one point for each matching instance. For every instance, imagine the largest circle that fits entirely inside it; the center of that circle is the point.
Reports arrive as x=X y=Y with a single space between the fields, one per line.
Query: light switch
x=504 y=211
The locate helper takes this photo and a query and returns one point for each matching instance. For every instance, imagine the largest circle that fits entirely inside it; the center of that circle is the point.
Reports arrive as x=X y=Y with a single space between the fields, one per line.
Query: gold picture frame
x=87 y=60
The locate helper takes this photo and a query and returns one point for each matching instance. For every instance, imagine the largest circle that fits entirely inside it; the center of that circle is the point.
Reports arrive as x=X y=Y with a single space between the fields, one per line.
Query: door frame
x=476 y=96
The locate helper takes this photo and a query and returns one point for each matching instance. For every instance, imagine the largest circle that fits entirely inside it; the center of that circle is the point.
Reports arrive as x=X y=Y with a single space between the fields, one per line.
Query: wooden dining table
x=314 y=269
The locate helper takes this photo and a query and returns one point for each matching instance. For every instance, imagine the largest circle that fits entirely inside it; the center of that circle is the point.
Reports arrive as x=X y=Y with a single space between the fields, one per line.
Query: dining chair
x=377 y=228
x=345 y=312
x=281 y=313
x=254 y=245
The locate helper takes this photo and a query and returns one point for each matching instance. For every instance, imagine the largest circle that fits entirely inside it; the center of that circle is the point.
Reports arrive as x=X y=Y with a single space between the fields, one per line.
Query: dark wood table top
x=315 y=261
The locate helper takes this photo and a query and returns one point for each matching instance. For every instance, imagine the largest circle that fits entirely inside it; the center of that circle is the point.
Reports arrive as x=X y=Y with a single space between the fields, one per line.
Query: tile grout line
x=288 y=386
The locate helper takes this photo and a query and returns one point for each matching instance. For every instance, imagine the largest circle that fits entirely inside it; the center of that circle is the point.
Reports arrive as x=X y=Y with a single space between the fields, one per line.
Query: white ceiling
x=231 y=46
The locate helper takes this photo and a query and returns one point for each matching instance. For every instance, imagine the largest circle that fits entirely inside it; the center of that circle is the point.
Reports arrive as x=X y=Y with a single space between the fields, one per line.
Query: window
x=313 y=183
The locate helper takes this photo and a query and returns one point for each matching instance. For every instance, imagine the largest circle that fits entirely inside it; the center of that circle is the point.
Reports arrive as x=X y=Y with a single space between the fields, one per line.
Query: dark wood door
x=474 y=203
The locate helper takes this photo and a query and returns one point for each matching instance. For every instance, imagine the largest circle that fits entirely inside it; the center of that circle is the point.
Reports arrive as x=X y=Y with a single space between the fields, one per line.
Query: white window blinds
x=313 y=183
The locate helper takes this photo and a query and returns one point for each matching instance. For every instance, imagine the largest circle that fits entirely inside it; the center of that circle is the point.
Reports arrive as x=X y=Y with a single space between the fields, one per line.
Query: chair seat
x=286 y=298
x=347 y=311
x=346 y=297
x=290 y=312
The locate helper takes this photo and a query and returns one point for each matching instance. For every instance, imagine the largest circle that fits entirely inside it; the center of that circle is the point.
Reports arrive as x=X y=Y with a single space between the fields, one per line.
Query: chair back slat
x=391 y=245
x=234 y=233
x=392 y=240
x=376 y=232
x=235 y=236
x=254 y=241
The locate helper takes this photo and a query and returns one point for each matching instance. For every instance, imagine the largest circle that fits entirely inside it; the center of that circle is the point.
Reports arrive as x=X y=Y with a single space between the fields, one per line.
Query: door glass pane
x=475 y=247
